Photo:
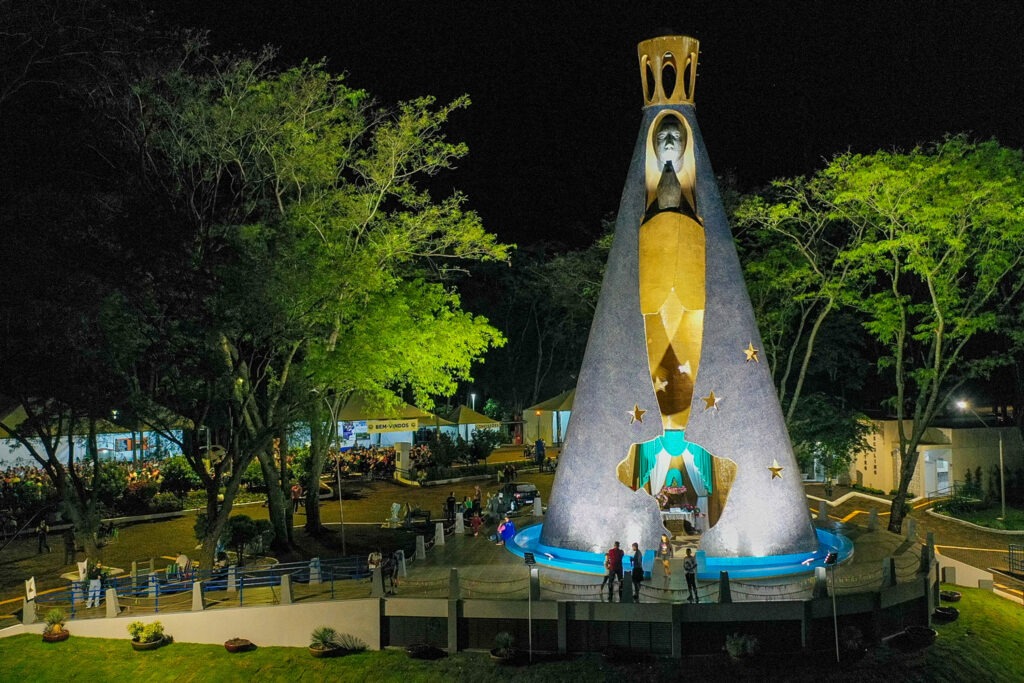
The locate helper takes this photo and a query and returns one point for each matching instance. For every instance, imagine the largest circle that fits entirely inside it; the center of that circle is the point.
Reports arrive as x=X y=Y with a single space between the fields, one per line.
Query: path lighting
x=964 y=405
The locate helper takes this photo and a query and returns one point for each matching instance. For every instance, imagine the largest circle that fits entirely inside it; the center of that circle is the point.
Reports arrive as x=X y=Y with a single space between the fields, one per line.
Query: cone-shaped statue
x=673 y=402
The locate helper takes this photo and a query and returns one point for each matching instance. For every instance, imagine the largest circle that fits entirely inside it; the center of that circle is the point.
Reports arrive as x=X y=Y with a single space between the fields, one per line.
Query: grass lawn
x=988 y=518
x=983 y=645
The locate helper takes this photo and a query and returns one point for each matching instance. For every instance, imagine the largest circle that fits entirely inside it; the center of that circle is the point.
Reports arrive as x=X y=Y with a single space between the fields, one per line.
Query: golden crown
x=668 y=69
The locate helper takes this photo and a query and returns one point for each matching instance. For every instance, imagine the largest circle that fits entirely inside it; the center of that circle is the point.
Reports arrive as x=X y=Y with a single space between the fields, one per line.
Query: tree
x=939 y=260
x=315 y=264
x=828 y=434
x=791 y=238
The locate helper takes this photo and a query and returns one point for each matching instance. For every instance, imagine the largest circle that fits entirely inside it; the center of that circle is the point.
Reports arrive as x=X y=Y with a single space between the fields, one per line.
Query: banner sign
x=402 y=425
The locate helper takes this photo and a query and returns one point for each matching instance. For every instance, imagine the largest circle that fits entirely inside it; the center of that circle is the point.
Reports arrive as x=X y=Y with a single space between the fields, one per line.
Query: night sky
x=556 y=91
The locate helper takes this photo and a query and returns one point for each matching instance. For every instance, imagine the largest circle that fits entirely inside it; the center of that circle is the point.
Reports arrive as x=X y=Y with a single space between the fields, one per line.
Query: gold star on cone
x=710 y=401
x=775 y=469
x=660 y=384
x=636 y=415
x=751 y=353
x=684 y=369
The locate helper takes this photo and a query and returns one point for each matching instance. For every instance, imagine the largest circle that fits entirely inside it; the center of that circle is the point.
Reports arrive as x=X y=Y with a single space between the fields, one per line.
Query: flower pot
x=949 y=596
x=56 y=636
x=503 y=655
x=140 y=646
x=238 y=645
x=321 y=652
x=944 y=615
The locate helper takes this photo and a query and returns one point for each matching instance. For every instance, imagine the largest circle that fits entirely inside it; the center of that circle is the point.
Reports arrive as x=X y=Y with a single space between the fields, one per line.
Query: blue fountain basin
x=708 y=568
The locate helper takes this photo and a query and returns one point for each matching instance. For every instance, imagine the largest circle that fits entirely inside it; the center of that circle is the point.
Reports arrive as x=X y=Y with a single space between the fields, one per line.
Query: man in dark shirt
x=613 y=564
x=450 y=507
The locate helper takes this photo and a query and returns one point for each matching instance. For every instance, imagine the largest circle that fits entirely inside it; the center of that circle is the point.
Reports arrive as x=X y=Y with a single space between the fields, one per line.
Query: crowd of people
x=377 y=462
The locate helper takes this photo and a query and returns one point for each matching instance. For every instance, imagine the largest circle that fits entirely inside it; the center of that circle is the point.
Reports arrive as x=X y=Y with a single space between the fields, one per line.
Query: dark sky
x=556 y=91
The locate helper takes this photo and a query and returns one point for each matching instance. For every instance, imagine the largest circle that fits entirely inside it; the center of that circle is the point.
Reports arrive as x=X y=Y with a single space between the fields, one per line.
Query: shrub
x=137 y=497
x=146 y=633
x=54 y=620
x=324 y=638
x=349 y=642
x=741 y=645
x=178 y=477
x=503 y=643
x=436 y=473
x=165 y=502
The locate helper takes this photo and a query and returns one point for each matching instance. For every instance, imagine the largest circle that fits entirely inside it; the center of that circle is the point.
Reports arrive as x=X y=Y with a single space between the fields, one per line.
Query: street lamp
x=964 y=405
x=472 y=398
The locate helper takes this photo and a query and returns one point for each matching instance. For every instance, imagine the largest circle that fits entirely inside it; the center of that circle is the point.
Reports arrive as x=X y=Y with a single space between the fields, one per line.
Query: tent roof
x=464 y=415
x=561 y=402
x=356 y=409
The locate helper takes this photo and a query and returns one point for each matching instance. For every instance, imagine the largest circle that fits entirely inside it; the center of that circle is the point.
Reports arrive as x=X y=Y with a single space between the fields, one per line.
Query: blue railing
x=159 y=589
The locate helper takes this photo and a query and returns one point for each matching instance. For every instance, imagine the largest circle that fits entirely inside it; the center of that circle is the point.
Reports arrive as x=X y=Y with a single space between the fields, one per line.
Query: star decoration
x=710 y=401
x=684 y=369
x=751 y=353
x=775 y=469
x=636 y=415
x=660 y=384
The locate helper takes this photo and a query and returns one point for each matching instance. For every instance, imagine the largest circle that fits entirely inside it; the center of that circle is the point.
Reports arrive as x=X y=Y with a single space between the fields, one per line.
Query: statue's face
x=669 y=141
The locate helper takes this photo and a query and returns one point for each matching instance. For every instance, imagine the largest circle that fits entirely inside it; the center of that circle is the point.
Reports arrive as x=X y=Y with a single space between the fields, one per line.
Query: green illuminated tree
x=929 y=250
x=316 y=264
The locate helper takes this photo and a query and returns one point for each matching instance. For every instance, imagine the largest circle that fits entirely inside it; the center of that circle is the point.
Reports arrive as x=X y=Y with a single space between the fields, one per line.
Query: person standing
x=296 y=497
x=450 y=507
x=478 y=497
x=69 y=545
x=638 y=571
x=690 y=569
x=613 y=563
x=475 y=523
x=665 y=553
x=41 y=531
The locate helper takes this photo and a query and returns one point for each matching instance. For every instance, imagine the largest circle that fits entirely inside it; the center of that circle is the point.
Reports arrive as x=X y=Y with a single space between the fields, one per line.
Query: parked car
x=516 y=495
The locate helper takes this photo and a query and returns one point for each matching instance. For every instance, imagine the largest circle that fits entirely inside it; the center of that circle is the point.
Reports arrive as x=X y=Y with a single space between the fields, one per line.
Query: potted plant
x=741 y=646
x=323 y=642
x=852 y=640
x=54 y=632
x=238 y=645
x=146 y=636
x=504 y=649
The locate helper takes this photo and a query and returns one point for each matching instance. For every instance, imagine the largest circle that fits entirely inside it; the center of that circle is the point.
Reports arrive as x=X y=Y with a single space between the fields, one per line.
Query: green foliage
x=54 y=619
x=823 y=431
x=110 y=485
x=253 y=479
x=483 y=444
x=178 y=477
x=740 y=645
x=438 y=473
x=351 y=643
x=146 y=633
x=165 y=502
x=504 y=642
x=324 y=638
x=137 y=498
x=925 y=247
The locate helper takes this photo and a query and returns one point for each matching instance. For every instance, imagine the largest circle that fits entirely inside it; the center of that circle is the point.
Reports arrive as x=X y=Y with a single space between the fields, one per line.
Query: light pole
x=472 y=398
x=964 y=405
x=830 y=565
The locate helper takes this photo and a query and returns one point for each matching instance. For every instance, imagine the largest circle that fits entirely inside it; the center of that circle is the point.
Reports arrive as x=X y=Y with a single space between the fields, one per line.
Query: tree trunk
x=278 y=506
